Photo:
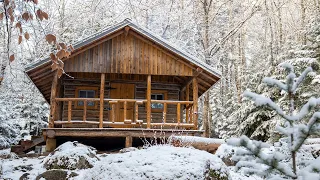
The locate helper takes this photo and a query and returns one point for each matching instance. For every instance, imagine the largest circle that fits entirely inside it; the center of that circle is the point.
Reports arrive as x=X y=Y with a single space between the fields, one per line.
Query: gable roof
x=46 y=63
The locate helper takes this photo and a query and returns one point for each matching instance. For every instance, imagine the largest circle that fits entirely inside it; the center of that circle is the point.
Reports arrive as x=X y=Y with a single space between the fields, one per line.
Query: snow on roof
x=148 y=33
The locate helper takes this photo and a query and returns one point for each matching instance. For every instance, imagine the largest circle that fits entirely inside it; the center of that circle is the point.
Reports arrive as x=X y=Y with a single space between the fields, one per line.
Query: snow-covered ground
x=155 y=162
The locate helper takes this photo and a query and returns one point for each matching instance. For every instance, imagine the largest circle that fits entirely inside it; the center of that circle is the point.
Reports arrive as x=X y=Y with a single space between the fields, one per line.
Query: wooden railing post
x=178 y=113
x=85 y=110
x=52 y=100
x=101 y=100
x=69 y=110
x=149 y=102
x=195 y=102
x=164 y=112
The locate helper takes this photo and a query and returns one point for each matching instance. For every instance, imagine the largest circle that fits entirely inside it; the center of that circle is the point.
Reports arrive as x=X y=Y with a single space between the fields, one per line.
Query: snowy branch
x=261 y=100
x=255 y=149
x=305 y=130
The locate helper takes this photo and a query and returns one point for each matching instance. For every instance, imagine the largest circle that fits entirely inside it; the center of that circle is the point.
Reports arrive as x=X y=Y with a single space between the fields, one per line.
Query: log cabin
x=122 y=82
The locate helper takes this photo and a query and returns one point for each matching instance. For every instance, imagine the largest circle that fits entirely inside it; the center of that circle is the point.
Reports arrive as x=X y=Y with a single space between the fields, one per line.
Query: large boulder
x=71 y=155
x=159 y=162
x=56 y=174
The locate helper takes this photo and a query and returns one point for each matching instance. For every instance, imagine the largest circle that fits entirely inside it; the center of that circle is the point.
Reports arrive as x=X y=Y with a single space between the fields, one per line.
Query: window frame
x=84 y=88
x=165 y=96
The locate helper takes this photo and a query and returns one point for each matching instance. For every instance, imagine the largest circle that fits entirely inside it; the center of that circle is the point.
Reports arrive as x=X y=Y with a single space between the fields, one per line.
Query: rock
x=24 y=176
x=23 y=168
x=56 y=174
x=71 y=155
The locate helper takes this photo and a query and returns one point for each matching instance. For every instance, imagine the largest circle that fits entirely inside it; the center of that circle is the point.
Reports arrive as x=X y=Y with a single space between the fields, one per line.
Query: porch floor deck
x=117 y=132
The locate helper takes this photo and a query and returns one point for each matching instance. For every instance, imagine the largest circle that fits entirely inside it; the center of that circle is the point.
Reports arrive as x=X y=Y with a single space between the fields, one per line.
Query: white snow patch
x=192 y=139
x=156 y=162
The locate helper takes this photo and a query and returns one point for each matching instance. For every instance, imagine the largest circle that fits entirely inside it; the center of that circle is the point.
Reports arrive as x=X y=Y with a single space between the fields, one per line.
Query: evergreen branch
x=255 y=148
x=301 y=78
x=306 y=131
x=273 y=82
x=261 y=100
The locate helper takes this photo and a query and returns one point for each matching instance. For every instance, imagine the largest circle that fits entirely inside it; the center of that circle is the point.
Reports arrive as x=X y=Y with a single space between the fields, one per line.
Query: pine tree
x=252 y=158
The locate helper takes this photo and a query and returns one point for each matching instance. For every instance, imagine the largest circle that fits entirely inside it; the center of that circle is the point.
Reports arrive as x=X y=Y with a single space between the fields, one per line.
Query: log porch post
x=52 y=99
x=149 y=102
x=187 y=105
x=101 y=100
x=195 y=102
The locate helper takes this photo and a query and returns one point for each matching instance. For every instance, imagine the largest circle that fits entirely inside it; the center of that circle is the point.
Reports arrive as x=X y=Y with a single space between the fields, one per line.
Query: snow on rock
x=21 y=167
x=129 y=149
x=71 y=155
x=194 y=139
x=157 y=162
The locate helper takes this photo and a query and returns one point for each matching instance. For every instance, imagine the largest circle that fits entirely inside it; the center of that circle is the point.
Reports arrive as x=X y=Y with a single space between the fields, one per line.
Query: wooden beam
x=149 y=101
x=126 y=30
x=196 y=74
x=69 y=110
x=178 y=113
x=52 y=100
x=124 y=110
x=164 y=112
x=118 y=132
x=187 y=99
x=85 y=110
x=101 y=100
x=195 y=102
x=128 y=141
x=51 y=144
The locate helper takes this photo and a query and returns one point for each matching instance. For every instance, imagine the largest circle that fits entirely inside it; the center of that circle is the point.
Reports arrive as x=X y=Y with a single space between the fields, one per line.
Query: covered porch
x=122 y=102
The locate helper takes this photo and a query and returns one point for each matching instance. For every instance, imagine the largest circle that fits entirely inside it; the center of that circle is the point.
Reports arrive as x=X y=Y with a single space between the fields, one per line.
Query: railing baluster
x=187 y=113
x=84 y=110
x=137 y=112
x=124 y=111
x=178 y=113
x=113 y=112
x=69 y=110
x=164 y=112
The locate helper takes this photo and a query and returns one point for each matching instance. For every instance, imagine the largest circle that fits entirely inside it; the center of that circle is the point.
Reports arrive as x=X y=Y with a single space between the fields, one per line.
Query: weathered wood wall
x=127 y=54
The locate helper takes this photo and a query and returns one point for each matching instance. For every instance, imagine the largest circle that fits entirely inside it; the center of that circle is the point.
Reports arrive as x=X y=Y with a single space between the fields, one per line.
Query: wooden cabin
x=123 y=82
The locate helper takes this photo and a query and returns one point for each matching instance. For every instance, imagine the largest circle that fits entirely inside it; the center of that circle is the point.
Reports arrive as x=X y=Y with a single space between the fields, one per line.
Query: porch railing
x=114 y=112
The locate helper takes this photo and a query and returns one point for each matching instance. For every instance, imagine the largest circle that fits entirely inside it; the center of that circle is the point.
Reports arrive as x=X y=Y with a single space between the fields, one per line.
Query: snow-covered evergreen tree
x=297 y=126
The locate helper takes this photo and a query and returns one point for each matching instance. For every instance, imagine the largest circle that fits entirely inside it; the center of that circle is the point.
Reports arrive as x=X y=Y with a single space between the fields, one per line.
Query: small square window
x=86 y=92
x=158 y=95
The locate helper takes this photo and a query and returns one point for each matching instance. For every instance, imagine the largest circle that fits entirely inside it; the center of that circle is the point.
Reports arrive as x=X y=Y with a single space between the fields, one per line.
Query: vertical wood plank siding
x=127 y=55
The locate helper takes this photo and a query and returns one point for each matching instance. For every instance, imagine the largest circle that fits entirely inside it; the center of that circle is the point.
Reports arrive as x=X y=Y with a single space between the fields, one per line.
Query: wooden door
x=123 y=91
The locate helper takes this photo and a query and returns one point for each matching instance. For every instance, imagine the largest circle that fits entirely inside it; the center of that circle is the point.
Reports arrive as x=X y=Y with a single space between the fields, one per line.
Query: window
x=158 y=95
x=86 y=92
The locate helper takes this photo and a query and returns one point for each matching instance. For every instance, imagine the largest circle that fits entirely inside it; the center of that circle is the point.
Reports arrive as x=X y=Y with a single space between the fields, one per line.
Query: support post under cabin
x=128 y=141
